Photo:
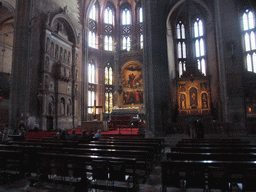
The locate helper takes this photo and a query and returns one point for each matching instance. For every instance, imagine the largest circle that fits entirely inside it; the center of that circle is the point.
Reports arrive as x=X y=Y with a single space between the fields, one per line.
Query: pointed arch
x=68 y=25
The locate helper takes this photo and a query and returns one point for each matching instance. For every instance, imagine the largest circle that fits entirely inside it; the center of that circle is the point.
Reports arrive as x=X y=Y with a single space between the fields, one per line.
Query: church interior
x=158 y=77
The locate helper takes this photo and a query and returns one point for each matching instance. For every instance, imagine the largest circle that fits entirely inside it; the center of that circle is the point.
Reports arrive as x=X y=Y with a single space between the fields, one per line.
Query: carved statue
x=193 y=97
x=204 y=101
x=182 y=101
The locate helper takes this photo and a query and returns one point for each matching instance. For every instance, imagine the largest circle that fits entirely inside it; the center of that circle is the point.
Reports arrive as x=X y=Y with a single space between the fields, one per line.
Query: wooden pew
x=216 y=149
x=209 y=144
x=73 y=159
x=11 y=162
x=210 y=156
x=215 y=140
x=160 y=141
x=171 y=169
x=26 y=159
x=193 y=154
x=156 y=153
x=143 y=154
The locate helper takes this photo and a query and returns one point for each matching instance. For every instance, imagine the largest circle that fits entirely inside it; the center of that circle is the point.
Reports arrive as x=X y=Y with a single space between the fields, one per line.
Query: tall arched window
x=92 y=27
x=199 y=44
x=196 y=46
x=91 y=97
x=108 y=88
x=126 y=17
x=140 y=14
x=108 y=28
x=108 y=43
x=249 y=41
x=189 y=37
x=91 y=84
x=126 y=22
x=108 y=74
x=91 y=72
x=181 y=47
x=108 y=16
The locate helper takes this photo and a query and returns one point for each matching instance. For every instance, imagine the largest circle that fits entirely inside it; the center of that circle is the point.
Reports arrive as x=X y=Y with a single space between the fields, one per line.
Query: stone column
x=21 y=67
x=156 y=67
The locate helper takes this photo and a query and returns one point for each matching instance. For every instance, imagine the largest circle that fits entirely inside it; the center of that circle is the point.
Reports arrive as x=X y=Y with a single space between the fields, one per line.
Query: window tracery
x=92 y=26
x=108 y=28
x=126 y=22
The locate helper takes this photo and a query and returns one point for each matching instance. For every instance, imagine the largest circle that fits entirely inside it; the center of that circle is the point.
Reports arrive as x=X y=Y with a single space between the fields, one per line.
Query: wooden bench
x=69 y=161
x=173 y=171
x=210 y=156
x=203 y=158
x=216 y=140
x=159 y=141
x=11 y=162
x=156 y=153
x=39 y=135
x=218 y=149
x=143 y=154
x=45 y=165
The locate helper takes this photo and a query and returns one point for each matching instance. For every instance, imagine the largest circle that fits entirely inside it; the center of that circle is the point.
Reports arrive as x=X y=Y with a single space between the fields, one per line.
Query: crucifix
x=94 y=107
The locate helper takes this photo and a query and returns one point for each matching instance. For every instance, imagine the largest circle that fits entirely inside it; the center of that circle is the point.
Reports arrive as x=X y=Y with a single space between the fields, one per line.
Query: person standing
x=5 y=132
x=73 y=136
x=192 y=123
x=200 y=134
x=84 y=137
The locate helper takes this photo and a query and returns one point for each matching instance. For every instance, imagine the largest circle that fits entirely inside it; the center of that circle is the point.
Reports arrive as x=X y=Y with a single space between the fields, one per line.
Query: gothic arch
x=132 y=62
x=170 y=42
x=7 y=22
x=67 y=25
x=8 y=6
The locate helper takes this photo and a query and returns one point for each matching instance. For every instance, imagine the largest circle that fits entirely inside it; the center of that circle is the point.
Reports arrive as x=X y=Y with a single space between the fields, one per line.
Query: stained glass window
x=108 y=74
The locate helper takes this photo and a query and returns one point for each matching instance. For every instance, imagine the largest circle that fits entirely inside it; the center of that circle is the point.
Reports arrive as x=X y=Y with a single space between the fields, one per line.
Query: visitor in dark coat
x=84 y=137
x=200 y=134
x=73 y=135
x=90 y=135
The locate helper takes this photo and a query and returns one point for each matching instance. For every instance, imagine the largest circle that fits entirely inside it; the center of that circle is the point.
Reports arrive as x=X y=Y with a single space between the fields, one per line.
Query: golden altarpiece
x=193 y=94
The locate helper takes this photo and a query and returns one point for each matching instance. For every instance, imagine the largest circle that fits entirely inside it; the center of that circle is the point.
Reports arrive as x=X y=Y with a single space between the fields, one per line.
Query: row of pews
x=210 y=164
x=69 y=162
